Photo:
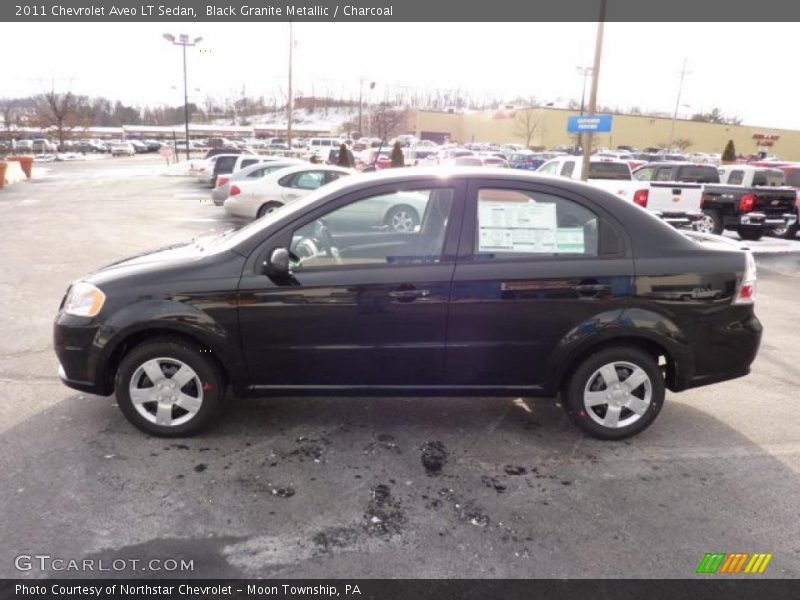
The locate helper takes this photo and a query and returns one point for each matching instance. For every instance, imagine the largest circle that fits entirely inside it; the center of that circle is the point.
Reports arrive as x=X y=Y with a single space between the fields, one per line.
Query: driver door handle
x=409 y=294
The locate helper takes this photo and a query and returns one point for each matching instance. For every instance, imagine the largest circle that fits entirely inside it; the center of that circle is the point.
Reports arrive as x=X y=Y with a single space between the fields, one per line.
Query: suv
x=510 y=284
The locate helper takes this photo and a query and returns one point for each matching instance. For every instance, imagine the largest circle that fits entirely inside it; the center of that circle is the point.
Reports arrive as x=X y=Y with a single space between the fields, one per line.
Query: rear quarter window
x=698 y=174
x=609 y=170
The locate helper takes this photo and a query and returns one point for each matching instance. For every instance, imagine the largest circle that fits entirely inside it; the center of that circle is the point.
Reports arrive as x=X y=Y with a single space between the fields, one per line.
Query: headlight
x=84 y=300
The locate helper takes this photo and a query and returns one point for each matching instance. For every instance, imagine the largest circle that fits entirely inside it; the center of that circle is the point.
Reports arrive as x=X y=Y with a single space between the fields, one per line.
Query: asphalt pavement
x=367 y=487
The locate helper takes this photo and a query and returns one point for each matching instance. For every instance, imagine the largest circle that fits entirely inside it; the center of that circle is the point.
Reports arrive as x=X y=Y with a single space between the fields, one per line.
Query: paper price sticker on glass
x=518 y=224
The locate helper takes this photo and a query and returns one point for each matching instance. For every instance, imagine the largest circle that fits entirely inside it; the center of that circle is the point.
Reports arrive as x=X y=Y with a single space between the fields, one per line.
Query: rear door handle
x=591 y=289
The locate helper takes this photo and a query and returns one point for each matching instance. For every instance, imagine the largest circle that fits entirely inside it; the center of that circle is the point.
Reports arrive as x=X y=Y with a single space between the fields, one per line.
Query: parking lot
x=332 y=487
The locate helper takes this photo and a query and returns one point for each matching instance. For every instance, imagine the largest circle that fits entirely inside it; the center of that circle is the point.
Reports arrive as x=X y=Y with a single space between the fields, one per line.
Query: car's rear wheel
x=267 y=208
x=711 y=223
x=787 y=232
x=614 y=393
x=402 y=219
x=166 y=387
x=750 y=234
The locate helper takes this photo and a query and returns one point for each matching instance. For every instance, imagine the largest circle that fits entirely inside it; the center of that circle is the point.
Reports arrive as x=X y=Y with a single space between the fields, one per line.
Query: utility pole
x=585 y=71
x=290 y=101
x=598 y=51
x=677 y=104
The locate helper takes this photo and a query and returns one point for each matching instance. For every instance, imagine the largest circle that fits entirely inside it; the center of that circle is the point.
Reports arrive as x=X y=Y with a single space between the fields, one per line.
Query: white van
x=322 y=146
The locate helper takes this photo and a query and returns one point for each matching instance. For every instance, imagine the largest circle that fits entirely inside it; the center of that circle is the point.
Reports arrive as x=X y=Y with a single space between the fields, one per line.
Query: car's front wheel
x=402 y=219
x=166 y=387
x=615 y=393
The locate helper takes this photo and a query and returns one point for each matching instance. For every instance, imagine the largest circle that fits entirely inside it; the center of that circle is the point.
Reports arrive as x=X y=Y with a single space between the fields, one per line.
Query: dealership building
x=549 y=129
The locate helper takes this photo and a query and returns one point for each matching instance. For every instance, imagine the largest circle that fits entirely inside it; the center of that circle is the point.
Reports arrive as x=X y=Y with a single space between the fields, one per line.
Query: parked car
x=511 y=285
x=530 y=161
x=43 y=146
x=222 y=175
x=611 y=175
x=254 y=199
x=321 y=147
x=253 y=172
x=750 y=200
x=216 y=151
x=221 y=164
x=139 y=146
x=676 y=189
x=791 y=172
x=122 y=149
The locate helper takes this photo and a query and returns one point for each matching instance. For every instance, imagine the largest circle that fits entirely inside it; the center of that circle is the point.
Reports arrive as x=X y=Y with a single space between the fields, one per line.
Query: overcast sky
x=742 y=68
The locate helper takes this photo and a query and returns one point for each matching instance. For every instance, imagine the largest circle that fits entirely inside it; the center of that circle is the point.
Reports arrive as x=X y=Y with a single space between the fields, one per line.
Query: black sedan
x=511 y=284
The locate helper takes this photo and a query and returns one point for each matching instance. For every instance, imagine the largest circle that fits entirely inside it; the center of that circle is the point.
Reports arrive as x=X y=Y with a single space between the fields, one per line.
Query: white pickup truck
x=611 y=175
x=676 y=190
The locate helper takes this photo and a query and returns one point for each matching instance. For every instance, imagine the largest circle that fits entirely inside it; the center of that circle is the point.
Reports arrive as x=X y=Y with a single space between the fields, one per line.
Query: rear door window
x=568 y=168
x=519 y=223
x=644 y=174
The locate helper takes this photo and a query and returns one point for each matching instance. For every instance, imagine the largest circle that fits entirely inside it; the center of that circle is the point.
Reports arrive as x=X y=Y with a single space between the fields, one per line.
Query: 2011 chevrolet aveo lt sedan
x=509 y=284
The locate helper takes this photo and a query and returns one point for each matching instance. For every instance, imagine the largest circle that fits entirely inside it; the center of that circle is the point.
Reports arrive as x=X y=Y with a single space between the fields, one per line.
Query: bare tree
x=63 y=111
x=387 y=120
x=11 y=114
x=526 y=125
x=683 y=143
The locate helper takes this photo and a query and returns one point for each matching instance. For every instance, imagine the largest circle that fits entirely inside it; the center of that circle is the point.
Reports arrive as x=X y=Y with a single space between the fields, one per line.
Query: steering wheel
x=323 y=234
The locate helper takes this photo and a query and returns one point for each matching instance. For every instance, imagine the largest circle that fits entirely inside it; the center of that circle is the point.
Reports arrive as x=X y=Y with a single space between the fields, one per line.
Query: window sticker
x=570 y=240
x=512 y=226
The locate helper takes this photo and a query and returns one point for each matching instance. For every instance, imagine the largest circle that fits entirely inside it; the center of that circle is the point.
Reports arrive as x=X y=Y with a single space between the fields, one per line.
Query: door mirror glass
x=278 y=264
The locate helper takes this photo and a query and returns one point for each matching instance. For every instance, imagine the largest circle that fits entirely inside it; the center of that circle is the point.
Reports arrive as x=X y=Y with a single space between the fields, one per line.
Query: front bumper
x=74 y=344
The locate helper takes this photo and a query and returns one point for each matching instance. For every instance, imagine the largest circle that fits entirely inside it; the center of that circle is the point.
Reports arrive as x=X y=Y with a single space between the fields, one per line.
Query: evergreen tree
x=729 y=155
x=398 y=160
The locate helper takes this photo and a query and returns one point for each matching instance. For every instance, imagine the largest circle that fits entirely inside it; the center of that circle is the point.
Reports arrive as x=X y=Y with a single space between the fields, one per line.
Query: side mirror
x=278 y=263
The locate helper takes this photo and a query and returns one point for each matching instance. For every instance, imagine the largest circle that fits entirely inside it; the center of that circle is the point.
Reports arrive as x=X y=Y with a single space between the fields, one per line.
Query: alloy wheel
x=617 y=394
x=166 y=391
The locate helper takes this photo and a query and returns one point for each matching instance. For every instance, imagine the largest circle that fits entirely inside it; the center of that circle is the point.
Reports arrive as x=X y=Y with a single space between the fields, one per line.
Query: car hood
x=176 y=255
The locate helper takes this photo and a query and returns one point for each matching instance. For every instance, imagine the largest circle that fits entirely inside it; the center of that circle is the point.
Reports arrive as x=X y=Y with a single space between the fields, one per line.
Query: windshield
x=698 y=174
x=609 y=170
x=792 y=177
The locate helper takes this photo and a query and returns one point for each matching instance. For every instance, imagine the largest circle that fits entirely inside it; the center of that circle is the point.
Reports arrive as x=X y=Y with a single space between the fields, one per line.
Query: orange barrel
x=26 y=162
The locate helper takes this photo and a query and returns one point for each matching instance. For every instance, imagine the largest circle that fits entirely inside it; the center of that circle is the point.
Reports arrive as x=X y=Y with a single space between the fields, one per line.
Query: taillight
x=640 y=197
x=235 y=191
x=747 y=202
x=222 y=180
x=703 y=201
x=746 y=292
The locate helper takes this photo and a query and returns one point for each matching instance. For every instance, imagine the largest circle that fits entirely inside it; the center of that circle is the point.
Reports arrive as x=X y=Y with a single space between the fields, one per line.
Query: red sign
x=766 y=136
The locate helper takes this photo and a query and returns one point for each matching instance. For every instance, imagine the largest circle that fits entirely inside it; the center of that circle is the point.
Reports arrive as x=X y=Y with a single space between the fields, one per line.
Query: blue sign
x=594 y=123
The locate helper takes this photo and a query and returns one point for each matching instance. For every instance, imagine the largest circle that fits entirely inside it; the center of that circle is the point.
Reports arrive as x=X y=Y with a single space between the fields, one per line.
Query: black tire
x=572 y=396
x=788 y=233
x=717 y=226
x=211 y=380
x=267 y=208
x=752 y=235
x=411 y=220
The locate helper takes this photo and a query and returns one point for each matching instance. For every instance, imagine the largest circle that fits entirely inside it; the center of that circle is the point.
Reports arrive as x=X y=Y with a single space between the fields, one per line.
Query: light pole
x=183 y=41
x=585 y=72
x=289 y=103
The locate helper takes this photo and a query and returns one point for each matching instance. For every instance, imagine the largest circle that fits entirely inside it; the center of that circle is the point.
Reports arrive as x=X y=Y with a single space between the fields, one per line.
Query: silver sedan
x=256 y=171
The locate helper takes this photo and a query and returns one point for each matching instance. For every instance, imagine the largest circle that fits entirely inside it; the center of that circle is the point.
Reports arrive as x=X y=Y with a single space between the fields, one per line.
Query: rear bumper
x=759 y=219
x=727 y=354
